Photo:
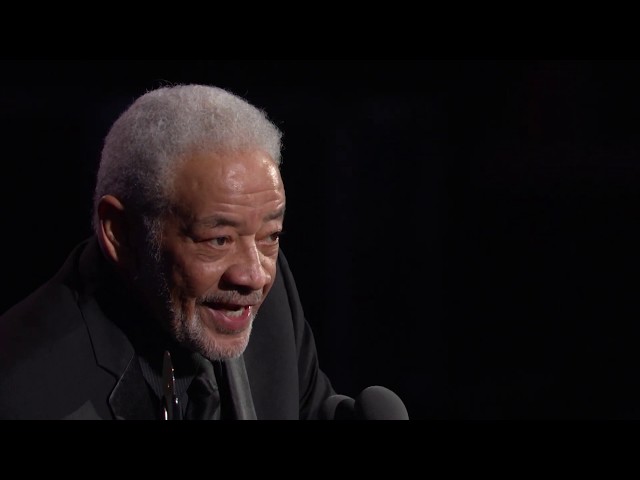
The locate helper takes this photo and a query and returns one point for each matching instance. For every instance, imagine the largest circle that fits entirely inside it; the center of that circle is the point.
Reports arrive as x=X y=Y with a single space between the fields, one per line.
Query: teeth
x=234 y=313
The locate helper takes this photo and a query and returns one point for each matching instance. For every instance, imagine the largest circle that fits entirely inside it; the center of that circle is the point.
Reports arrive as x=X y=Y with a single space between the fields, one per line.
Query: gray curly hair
x=156 y=132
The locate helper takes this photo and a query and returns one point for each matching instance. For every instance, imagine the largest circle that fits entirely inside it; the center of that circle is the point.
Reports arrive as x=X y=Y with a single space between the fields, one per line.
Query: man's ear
x=114 y=232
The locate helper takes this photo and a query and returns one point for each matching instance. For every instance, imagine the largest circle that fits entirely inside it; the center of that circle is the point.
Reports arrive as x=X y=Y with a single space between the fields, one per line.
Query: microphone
x=379 y=403
x=372 y=403
x=337 y=407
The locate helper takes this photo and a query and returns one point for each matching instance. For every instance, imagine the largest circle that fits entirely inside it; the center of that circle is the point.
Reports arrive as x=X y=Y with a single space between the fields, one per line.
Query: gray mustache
x=234 y=298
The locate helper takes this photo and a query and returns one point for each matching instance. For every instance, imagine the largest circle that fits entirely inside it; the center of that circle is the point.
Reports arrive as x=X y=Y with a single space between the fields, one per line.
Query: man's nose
x=247 y=269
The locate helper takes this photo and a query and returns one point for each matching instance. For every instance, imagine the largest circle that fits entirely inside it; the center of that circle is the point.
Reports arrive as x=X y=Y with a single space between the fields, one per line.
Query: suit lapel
x=130 y=399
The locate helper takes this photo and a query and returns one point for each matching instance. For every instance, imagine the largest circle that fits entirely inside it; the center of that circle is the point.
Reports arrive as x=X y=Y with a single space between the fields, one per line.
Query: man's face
x=218 y=250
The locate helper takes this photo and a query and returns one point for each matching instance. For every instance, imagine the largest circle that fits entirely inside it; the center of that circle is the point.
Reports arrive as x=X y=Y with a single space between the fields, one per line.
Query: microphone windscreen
x=337 y=407
x=379 y=403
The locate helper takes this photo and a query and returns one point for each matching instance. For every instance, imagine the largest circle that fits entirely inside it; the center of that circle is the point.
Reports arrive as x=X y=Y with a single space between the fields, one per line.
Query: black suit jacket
x=63 y=356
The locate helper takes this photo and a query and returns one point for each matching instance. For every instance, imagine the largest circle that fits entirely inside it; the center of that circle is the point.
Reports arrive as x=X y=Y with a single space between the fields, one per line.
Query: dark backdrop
x=462 y=231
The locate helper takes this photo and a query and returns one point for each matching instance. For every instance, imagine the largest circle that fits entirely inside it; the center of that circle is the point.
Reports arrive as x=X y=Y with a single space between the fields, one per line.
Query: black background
x=462 y=231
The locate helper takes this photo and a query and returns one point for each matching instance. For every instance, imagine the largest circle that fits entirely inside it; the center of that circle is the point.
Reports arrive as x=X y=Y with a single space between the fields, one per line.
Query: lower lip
x=228 y=324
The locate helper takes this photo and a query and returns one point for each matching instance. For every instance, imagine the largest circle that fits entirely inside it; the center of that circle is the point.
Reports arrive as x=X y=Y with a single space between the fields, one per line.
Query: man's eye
x=275 y=236
x=219 y=241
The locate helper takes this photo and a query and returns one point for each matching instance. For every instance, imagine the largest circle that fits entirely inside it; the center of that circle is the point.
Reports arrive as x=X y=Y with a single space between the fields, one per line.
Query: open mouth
x=228 y=317
x=229 y=310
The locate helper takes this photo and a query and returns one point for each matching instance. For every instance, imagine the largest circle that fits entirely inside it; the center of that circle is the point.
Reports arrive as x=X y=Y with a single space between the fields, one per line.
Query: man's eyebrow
x=223 y=221
x=216 y=221
x=274 y=215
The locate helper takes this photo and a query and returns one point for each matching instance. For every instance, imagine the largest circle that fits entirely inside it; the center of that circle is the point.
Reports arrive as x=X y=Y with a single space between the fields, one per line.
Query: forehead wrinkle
x=229 y=185
x=220 y=219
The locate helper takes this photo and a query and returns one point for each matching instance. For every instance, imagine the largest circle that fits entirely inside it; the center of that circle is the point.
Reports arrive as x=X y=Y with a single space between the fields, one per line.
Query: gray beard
x=189 y=331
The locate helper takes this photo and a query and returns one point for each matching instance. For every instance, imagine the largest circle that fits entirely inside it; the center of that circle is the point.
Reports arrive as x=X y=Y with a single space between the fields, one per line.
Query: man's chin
x=223 y=346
